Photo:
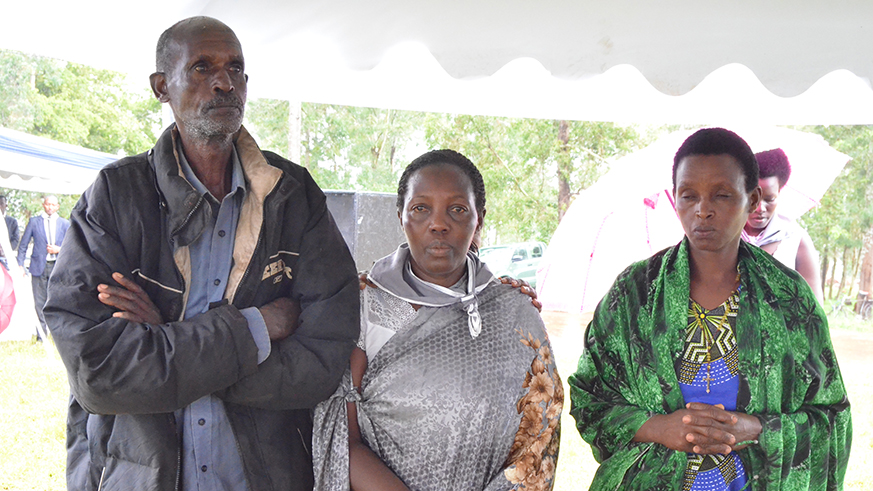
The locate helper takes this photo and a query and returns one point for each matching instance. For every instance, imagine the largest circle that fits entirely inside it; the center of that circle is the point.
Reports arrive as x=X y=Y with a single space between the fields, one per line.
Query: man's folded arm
x=306 y=367
x=118 y=366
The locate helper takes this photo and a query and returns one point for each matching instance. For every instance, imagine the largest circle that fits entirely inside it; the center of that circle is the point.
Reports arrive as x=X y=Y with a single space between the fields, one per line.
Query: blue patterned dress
x=709 y=373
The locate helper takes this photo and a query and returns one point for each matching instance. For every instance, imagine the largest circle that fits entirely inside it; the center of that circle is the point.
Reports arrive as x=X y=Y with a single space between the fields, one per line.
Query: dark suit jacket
x=36 y=230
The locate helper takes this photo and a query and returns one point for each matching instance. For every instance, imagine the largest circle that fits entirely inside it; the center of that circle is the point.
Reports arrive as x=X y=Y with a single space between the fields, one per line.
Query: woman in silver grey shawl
x=460 y=388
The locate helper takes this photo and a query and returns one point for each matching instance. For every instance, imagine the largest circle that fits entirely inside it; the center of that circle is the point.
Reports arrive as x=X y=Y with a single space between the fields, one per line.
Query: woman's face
x=439 y=218
x=712 y=201
x=766 y=210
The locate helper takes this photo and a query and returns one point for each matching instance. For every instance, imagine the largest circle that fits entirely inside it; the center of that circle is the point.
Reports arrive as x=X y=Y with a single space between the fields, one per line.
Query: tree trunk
x=294 y=130
x=565 y=168
x=823 y=271
x=844 y=269
x=856 y=269
x=833 y=278
x=866 y=280
x=308 y=155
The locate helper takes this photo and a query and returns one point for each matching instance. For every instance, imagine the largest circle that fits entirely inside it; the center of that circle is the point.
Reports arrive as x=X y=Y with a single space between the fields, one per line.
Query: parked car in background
x=520 y=260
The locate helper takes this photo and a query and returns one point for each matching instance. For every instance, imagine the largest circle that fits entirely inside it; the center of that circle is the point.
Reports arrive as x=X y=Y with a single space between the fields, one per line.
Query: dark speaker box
x=368 y=222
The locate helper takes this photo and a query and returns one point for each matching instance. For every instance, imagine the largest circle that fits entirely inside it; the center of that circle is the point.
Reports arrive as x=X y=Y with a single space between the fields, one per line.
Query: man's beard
x=208 y=127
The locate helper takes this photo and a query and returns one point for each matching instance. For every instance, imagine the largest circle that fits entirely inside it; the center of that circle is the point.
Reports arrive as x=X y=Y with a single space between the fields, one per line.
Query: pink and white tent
x=629 y=215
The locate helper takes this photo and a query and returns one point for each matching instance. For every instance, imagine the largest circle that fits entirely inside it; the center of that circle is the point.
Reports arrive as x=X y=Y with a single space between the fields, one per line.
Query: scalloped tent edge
x=804 y=60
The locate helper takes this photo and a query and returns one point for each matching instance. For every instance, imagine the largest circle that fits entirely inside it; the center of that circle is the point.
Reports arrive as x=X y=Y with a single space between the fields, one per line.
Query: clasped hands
x=702 y=429
x=135 y=305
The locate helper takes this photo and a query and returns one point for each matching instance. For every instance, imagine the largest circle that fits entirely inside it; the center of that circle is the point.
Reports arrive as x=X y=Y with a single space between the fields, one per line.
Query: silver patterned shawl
x=393 y=273
x=446 y=411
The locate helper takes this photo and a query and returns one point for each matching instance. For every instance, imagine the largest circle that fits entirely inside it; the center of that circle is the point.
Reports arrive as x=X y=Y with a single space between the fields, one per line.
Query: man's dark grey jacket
x=127 y=379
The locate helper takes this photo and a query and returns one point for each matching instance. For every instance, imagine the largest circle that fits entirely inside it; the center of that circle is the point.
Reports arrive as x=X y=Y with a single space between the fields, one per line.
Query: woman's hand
x=525 y=288
x=364 y=282
x=700 y=428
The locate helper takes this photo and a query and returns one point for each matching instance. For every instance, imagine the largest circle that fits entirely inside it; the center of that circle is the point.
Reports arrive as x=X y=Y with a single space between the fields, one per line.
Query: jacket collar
x=185 y=207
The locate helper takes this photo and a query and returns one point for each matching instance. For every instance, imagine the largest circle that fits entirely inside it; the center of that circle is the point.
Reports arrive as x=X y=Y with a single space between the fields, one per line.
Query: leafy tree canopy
x=76 y=104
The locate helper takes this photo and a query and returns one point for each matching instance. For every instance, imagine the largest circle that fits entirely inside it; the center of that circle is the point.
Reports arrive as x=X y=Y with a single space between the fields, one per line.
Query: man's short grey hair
x=163 y=53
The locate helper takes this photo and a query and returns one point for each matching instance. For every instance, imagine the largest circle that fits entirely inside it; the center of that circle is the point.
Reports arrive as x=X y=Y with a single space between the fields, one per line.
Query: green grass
x=846 y=319
x=33 y=403
x=33 y=409
x=850 y=323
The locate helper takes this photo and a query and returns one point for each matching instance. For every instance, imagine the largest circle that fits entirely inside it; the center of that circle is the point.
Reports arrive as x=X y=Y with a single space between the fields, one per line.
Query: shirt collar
x=237 y=178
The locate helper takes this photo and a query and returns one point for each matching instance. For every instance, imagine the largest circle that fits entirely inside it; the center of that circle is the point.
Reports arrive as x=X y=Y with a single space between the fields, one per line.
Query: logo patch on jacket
x=275 y=268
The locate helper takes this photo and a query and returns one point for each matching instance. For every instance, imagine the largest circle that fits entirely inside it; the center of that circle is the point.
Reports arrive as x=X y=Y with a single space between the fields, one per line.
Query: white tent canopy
x=799 y=62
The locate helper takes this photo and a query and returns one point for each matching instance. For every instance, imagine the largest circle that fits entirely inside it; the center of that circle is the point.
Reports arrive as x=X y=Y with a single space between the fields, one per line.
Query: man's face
x=206 y=86
x=3 y=206
x=50 y=205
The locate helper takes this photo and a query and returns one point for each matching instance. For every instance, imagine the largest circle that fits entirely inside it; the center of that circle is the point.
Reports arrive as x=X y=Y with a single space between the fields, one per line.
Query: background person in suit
x=12 y=229
x=47 y=231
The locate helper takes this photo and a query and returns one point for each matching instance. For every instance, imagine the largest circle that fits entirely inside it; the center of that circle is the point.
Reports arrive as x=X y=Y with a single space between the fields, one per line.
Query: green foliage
x=16 y=91
x=75 y=104
x=522 y=161
x=845 y=216
x=357 y=148
x=267 y=119
x=25 y=204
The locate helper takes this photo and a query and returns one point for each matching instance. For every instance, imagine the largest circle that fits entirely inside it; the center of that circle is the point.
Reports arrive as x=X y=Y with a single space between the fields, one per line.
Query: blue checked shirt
x=210 y=454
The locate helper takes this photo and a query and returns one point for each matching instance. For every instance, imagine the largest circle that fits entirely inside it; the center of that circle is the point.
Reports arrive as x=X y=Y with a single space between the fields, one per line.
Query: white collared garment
x=50 y=225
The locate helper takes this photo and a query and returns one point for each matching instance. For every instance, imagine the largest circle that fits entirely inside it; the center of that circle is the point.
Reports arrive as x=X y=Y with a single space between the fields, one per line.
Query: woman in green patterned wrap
x=709 y=365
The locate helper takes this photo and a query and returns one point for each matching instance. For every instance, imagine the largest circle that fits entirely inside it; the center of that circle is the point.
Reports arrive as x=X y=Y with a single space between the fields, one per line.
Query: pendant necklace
x=706 y=335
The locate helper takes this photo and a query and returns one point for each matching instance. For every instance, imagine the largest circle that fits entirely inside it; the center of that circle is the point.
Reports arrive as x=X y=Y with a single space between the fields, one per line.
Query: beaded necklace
x=705 y=335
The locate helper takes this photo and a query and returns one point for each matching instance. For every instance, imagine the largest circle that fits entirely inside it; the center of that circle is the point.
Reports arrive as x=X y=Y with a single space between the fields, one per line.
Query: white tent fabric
x=799 y=62
x=33 y=163
x=628 y=214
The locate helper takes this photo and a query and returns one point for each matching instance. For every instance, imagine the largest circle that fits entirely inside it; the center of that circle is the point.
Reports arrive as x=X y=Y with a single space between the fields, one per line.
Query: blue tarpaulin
x=33 y=163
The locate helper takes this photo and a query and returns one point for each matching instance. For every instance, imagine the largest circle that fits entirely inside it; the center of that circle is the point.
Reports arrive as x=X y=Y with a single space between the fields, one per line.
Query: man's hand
x=132 y=301
x=281 y=317
x=53 y=249
x=525 y=288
